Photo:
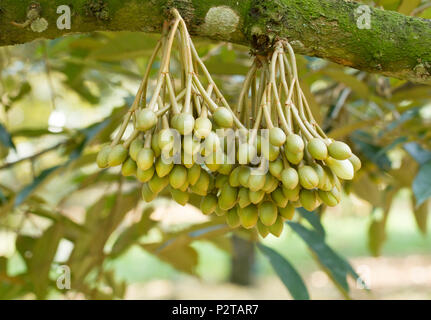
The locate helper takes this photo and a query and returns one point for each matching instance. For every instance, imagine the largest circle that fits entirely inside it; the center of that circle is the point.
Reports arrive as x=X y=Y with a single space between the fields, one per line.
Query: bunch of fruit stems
x=191 y=83
x=266 y=96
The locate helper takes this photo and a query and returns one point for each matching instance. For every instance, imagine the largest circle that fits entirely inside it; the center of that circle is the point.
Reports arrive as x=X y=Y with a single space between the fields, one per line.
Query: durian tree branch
x=394 y=45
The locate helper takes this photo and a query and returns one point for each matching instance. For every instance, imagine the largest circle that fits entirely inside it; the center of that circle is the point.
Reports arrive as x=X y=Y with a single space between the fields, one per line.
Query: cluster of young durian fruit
x=253 y=164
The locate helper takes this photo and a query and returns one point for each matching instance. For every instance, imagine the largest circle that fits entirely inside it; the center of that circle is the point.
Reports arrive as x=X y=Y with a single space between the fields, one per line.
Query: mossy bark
x=395 y=45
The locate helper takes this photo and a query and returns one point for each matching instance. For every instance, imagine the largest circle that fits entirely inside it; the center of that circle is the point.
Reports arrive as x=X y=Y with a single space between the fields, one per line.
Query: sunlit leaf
x=314 y=219
x=132 y=234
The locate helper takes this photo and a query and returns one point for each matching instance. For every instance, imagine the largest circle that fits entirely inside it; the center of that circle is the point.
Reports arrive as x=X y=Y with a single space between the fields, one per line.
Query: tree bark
x=395 y=45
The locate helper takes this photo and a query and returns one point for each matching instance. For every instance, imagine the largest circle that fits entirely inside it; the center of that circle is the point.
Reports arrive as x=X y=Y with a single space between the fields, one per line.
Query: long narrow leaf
x=337 y=266
x=286 y=272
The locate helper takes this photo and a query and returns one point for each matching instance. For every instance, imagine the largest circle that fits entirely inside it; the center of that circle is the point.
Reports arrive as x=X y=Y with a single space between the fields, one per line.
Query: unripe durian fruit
x=294 y=158
x=317 y=149
x=267 y=213
x=202 y=184
x=185 y=186
x=193 y=174
x=225 y=168
x=102 y=159
x=184 y=123
x=270 y=182
x=145 y=119
x=262 y=229
x=246 y=153
x=155 y=144
x=287 y=212
x=277 y=228
x=309 y=199
x=243 y=198
x=228 y=197
x=223 y=117
x=147 y=194
x=212 y=143
x=276 y=168
x=330 y=198
x=203 y=127
x=221 y=180
x=279 y=198
x=270 y=152
x=339 y=150
x=117 y=155
x=157 y=184
x=356 y=162
x=294 y=144
x=220 y=212
x=180 y=197
x=277 y=137
x=166 y=140
x=129 y=168
x=234 y=177
x=292 y=194
x=289 y=178
x=178 y=176
x=248 y=216
x=135 y=147
x=308 y=177
x=145 y=158
x=256 y=181
x=325 y=183
x=208 y=204
x=232 y=218
x=256 y=196
x=145 y=175
x=163 y=168
x=343 y=169
x=244 y=176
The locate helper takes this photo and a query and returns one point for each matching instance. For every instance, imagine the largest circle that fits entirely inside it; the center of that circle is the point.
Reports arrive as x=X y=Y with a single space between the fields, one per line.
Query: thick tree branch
x=395 y=45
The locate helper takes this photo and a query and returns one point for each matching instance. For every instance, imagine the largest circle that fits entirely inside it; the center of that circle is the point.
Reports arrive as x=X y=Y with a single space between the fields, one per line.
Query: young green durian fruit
x=248 y=216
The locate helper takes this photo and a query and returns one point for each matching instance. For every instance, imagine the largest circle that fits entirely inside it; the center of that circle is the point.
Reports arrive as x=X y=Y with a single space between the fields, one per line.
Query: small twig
x=421 y=9
x=34 y=156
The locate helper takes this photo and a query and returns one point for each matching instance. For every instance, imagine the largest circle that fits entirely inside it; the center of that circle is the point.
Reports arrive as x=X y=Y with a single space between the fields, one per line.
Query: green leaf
x=407 y=6
x=286 y=272
x=373 y=152
x=183 y=258
x=5 y=138
x=417 y=152
x=338 y=268
x=376 y=236
x=377 y=228
x=314 y=219
x=422 y=183
x=132 y=234
x=421 y=215
x=42 y=257
x=406 y=116
x=125 y=45
x=32 y=187
x=389 y=4
x=359 y=87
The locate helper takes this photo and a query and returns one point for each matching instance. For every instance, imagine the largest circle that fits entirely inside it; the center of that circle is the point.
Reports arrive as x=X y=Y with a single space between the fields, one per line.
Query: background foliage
x=61 y=99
